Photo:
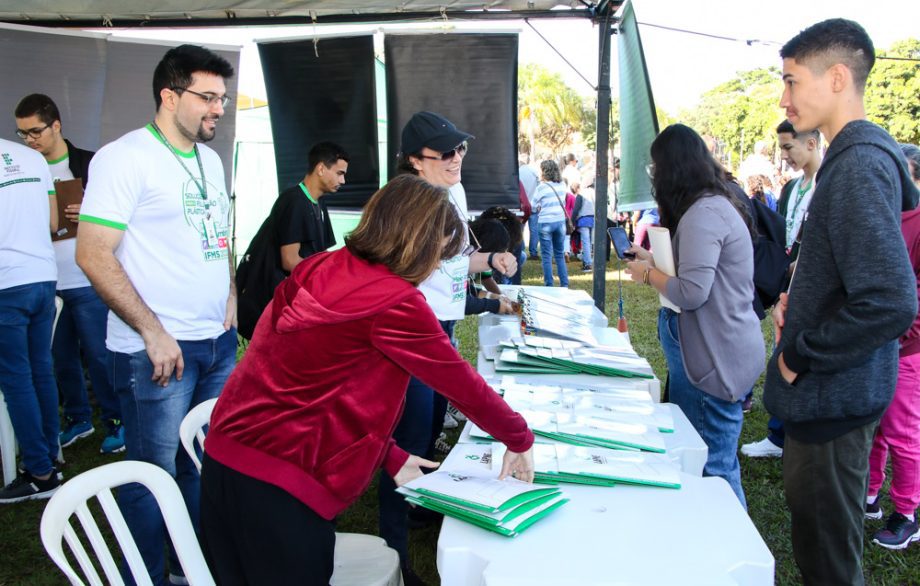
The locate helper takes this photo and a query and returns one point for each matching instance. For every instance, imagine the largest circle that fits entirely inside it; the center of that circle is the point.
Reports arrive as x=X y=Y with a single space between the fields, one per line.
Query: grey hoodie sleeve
x=878 y=302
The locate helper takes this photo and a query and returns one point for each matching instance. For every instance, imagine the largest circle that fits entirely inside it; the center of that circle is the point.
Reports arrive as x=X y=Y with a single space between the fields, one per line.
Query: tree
x=740 y=111
x=892 y=90
x=549 y=111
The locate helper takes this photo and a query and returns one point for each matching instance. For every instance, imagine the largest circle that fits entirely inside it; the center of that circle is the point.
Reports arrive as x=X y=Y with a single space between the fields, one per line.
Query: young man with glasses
x=82 y=322
x=433 y=148
x=154 y=242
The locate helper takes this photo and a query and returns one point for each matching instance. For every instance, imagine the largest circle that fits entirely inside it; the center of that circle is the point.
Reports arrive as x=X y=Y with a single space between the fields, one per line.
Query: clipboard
x=68 y=192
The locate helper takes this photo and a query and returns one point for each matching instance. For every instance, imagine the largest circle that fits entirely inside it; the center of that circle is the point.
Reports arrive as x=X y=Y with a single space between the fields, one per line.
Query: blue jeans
x=151 y=416
x=26 y=377
x=552 y=241
x=534 y=224
x=81 y=327
x=777 y=431
x=717 y=421
x=586 y=233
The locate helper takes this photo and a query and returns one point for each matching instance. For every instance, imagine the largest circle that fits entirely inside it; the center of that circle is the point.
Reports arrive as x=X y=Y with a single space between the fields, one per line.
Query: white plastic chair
x=8 y=447
x=72 y=499
x=360 y=560
x=191 y=430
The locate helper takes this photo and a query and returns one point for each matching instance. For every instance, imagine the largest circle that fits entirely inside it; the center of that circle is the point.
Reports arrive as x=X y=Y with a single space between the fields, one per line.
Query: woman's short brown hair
x=403 y=226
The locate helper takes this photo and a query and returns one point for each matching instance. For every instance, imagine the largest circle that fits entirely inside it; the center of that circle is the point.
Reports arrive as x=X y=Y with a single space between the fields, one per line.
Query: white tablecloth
x=698 y=534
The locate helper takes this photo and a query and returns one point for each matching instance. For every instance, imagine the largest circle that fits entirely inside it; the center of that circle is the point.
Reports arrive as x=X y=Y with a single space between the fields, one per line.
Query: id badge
x=210 y=230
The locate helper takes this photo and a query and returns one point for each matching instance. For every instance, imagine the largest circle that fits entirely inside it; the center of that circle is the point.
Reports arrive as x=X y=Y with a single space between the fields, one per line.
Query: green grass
x=23 y=559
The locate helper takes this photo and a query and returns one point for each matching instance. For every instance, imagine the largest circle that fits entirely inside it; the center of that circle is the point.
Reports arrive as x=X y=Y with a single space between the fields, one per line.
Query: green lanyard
x=203 y=185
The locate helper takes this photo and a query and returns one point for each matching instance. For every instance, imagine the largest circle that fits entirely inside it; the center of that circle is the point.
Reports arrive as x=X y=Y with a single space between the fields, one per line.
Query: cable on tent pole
x=561 y=56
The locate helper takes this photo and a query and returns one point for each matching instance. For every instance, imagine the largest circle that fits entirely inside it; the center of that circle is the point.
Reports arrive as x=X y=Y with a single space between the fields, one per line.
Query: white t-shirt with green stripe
x=69 y=274
x=175 y=247
x=26 y=254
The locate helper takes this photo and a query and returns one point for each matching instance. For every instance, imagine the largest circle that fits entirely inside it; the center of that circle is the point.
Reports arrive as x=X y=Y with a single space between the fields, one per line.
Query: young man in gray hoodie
x=852 y=295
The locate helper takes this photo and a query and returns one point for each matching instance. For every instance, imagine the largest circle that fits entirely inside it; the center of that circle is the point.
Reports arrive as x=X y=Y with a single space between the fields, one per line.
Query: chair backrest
x=72 y=498
x=192 y=429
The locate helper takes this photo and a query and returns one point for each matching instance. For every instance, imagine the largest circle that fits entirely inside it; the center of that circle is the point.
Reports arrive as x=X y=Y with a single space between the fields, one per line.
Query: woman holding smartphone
x=714 y=346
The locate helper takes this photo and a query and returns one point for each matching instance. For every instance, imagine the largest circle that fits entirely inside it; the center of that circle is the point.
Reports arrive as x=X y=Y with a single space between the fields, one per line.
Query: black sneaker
x=874 y=510
x=26 y=487
x=899 y=531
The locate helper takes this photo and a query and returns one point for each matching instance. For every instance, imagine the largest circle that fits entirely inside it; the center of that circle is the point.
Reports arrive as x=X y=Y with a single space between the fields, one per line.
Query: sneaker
x=455 y=413
x=114 y=442
x=874 y=510
x=74 y=430
x=899 y=531
x=450 y=422
x=441 y=444
x=26 y=487
x=587 y=269
x=762 y=449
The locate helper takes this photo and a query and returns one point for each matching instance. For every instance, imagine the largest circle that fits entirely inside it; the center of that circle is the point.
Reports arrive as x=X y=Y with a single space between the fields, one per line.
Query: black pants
x=255 y=533
x=826 y=493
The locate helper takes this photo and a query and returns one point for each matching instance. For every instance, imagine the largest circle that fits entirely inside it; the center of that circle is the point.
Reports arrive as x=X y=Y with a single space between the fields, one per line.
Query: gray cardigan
x=720 y=338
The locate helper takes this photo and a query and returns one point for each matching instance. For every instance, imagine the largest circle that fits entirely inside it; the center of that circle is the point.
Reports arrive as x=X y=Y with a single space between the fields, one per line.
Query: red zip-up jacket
x=313 y=404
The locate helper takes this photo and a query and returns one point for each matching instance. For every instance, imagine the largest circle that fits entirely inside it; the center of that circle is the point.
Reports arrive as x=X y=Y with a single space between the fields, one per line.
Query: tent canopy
x=199 y=12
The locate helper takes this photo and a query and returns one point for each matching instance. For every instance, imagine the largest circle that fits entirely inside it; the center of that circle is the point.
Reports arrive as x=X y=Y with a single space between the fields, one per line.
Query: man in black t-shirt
x=298 y=226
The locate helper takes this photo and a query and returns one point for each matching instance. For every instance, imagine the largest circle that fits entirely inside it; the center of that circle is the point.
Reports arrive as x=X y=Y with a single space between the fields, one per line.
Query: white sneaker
x=762 y=449
x=450 y=422
x=455 y=413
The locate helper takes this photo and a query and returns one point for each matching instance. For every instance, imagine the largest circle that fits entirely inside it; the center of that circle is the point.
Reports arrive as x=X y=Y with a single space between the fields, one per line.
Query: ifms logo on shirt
x=8 y=167
x=209 y=215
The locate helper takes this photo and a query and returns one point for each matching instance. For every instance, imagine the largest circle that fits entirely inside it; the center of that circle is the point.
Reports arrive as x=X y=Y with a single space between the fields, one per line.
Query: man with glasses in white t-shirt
x=80 y=332
x=154 y=242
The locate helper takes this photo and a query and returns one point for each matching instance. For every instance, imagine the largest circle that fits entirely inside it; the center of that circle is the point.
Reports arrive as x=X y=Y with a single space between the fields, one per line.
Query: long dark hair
x=684 y=173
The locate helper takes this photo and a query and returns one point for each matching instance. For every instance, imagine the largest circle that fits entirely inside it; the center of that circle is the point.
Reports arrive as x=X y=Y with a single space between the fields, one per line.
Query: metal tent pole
x=603 y=144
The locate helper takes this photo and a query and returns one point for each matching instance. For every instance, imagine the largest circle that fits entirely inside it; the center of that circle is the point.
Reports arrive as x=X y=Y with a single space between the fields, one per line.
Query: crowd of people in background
x=353 y=364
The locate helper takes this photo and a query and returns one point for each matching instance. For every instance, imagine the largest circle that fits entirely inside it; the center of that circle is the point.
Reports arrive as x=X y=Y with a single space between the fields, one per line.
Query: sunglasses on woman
x=460 y=149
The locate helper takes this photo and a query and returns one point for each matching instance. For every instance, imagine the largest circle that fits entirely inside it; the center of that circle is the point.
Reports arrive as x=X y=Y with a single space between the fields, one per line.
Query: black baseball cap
x=427 y=129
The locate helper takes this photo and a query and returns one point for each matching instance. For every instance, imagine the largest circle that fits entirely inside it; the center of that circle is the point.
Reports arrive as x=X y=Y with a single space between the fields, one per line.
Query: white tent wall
x=102 y=85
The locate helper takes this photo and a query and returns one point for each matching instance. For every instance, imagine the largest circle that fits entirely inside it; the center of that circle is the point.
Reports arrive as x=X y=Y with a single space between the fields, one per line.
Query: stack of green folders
x=507 y=507
x=555 y=463
x=533 y=354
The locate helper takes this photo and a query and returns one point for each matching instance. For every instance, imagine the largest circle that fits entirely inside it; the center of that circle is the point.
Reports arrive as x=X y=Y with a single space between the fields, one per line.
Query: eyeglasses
x=650 y=170
x=32 y=132
x=460 y=149
x=209 y=99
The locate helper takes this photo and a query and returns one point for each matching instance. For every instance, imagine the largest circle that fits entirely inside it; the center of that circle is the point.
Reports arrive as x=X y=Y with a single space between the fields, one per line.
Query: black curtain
x=471 y=79
x=330 y=97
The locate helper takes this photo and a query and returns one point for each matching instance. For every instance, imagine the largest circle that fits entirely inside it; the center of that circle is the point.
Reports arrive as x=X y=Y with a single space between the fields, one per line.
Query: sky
x=681 y=66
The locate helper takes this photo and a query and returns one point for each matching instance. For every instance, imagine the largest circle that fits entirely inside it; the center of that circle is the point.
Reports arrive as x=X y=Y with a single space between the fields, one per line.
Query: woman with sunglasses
x=714 y=347
x=307 y=416
x=433 y=148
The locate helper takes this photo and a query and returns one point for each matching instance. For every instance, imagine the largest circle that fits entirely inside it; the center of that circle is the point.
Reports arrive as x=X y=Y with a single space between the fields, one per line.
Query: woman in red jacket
x=307 y=416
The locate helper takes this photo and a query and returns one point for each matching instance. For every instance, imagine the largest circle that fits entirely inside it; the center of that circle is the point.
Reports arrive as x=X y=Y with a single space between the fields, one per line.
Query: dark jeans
x=81 y=329
x=418 y=428
x=152 y=415
x=26 y=378
x=253 y=532
x=776 y=431
x=826 y=487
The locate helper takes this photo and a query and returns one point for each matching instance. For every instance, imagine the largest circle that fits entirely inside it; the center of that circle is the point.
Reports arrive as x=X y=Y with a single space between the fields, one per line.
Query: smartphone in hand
x=621 y=243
